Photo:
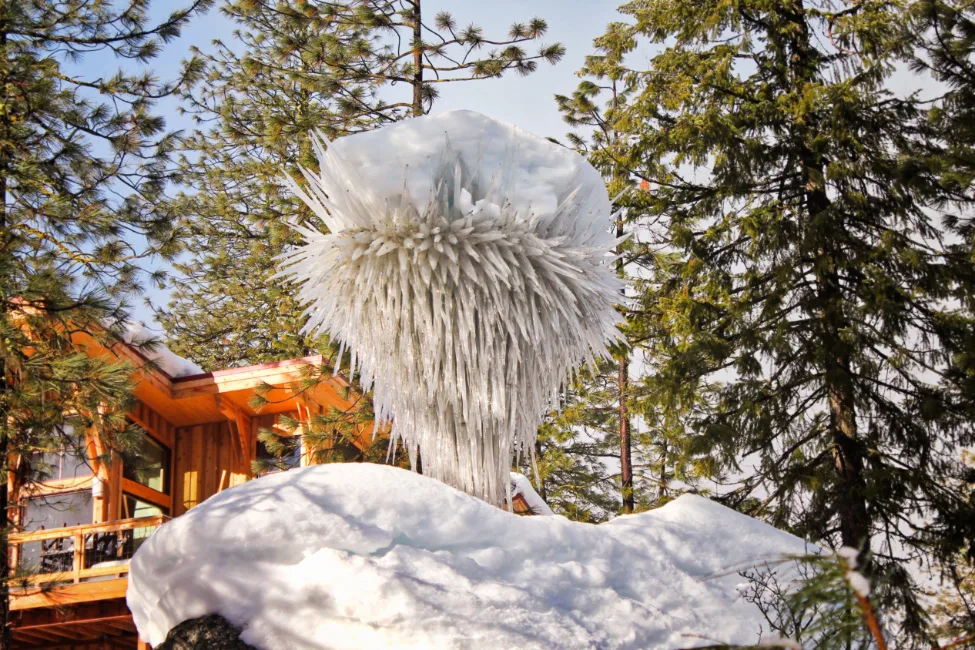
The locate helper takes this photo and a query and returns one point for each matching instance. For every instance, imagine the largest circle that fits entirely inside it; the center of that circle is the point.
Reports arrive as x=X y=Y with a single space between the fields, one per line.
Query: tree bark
x=6 y=638
x=622 y=384
x=417 y=60
x=850 y=495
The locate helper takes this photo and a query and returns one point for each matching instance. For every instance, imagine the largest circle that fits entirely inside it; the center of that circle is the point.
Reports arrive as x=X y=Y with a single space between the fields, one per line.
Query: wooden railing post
x=79 y=555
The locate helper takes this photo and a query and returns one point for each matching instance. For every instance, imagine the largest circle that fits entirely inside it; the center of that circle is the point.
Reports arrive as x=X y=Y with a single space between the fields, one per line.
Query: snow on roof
x=168 y=361
x=370 y=556
x=521 y=485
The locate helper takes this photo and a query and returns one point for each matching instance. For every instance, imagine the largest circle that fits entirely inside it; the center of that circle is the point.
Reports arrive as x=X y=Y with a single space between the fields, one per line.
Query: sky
x=525 y=101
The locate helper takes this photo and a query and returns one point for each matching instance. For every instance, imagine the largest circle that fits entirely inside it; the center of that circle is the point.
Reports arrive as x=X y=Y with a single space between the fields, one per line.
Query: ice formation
x=359 y=556
x=467 y=266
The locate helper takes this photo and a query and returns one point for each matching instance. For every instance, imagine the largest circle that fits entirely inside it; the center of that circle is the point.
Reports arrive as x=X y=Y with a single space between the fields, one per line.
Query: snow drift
x=468 y=266
x=357 y=556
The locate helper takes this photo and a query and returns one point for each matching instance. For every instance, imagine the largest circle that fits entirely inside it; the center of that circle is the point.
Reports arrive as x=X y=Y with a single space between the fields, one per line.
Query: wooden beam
x=147 y=494
x=242 y=427
x=62 y=595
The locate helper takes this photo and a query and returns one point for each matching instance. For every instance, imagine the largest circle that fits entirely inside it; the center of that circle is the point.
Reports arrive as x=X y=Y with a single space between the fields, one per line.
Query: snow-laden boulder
x=369 y=556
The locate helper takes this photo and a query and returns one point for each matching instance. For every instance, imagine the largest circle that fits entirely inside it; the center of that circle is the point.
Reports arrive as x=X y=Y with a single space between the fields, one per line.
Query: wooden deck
x=75 y=564
x=102 y=625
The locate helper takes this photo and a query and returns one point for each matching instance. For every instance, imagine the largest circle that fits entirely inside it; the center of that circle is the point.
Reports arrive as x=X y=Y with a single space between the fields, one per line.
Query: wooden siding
x=207 y=459
x=154 y=423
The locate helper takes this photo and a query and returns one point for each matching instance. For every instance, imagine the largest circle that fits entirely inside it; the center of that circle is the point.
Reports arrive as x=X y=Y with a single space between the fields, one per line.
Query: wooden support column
x=97 y=453
x=242 y=425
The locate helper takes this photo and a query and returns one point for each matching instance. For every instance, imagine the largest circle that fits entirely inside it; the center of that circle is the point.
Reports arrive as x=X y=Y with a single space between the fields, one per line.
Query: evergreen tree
x=82 y=165
x=599 y=101
x=578 y=448
x=807 y=296
x=297 y=67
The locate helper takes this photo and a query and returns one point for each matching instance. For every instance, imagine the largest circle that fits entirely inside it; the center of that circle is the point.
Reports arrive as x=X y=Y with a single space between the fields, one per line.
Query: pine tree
x=82 y=164
x=578 y=450
x=807 y=295
x=296 y=68
x=599 y=101
x=422 y=57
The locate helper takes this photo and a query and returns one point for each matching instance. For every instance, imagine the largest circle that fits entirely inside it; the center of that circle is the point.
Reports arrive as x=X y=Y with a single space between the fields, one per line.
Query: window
x=134 y=508
x=65 y=459
x=57 y=510
x=65 y=463
x=148 y=465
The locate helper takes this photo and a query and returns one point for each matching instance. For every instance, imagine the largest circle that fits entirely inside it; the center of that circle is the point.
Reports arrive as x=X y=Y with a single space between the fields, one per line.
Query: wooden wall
x=207 y=459
x=153 y=422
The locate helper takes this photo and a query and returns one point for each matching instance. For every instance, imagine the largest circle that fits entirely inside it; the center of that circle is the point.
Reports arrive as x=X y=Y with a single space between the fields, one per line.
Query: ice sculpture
x=467 y=266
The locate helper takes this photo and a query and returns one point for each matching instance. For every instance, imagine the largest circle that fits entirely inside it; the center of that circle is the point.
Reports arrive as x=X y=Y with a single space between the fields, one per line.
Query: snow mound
x=168 y=361
x=468 y=267
x=352 y=556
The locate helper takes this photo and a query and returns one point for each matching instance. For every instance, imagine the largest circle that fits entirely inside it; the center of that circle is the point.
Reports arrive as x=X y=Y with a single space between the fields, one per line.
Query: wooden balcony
x=75 y=564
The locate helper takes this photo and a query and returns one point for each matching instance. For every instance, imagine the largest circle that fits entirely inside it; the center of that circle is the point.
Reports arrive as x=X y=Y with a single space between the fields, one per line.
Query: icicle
x=465 y=316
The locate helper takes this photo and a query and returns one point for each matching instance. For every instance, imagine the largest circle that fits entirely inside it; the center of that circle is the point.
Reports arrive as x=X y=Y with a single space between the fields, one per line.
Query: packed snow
x=468 y=266
x=354 y=556
x=165 y=359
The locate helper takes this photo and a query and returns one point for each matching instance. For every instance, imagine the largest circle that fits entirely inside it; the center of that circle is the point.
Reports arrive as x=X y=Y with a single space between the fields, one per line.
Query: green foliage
x=83 y=163
x=578 y=449
x=800 y=306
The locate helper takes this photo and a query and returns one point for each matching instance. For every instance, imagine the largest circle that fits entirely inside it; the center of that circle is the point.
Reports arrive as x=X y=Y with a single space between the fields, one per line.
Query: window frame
x=128 y=487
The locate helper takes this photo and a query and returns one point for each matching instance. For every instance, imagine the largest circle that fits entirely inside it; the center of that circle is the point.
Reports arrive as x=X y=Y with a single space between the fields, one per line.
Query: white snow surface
x=354 y=556
x=408 y=153
x=167 y=360
x=468 y=266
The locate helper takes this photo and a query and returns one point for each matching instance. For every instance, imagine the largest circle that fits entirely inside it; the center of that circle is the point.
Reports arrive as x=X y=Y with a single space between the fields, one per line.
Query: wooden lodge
x=79 y=529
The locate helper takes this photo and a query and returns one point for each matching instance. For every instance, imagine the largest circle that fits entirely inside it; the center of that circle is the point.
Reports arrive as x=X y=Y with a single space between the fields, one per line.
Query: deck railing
x=79 y=553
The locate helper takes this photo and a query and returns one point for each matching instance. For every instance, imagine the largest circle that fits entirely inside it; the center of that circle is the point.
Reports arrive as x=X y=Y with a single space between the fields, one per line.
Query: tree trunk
x=626 y=462
x=417 y=59
x=539 y=479
x=622 y=384
x=6 y=639
x=850 y=495
x=662 y=486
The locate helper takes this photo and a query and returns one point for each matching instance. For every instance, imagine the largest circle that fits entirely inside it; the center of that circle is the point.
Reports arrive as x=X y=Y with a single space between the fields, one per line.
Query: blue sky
x=525 y=101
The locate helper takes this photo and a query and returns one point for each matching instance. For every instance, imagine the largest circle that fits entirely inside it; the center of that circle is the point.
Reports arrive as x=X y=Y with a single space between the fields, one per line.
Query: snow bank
x=167 y=360
x=369 y=556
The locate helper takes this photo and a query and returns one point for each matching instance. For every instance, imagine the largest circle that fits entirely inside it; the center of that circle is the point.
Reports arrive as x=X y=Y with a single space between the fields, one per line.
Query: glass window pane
x=148 y=464
x=66 y=459
x=133 y=508
x=57 y=510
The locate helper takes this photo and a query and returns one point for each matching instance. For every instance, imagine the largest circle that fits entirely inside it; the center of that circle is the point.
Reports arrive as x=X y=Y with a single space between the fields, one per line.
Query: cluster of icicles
x=464 y=316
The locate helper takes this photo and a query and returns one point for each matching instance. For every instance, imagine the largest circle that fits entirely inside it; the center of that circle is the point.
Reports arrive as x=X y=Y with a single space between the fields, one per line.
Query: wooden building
x=81 y=527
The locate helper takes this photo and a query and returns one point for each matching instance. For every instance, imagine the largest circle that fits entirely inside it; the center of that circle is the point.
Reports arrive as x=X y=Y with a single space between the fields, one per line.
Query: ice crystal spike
x=465 y=304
